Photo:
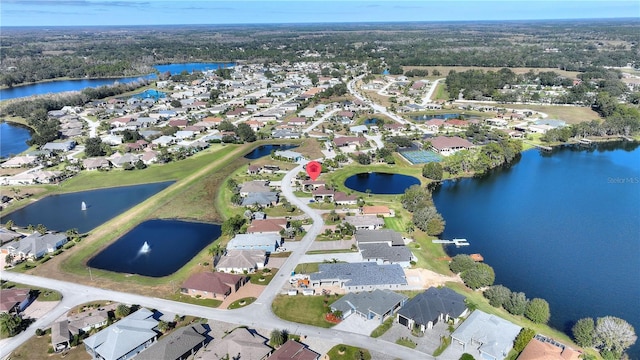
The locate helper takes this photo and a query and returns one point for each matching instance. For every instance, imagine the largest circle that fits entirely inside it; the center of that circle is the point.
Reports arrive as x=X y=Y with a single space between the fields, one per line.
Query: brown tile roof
x=340 y=196
x=12 y=297
x=267 y=225
x=541 y=350
x=293 y=350
x=214 y=282
x=348 y=114
x=443 y=142
x=213 y=119
x=375 y=209
x=344 y=140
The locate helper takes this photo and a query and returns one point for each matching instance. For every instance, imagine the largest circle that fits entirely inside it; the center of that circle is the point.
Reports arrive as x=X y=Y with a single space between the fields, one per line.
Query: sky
x=175 y=12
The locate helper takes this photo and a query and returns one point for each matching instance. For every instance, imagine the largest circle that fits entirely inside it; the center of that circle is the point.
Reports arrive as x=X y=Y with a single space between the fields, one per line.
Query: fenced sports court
x=421 y=156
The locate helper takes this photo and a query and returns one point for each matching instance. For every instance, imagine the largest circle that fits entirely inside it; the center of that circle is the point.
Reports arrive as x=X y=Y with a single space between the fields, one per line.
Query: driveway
x=357 y=324
x=247 y=290
x=38 y=309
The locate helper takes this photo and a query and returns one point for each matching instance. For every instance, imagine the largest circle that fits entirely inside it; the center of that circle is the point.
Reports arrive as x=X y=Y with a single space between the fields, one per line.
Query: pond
x=438 y=116
x=63 y=212
x=156 y=248
x=13 y=139
x=264 y=150
x=381 y=183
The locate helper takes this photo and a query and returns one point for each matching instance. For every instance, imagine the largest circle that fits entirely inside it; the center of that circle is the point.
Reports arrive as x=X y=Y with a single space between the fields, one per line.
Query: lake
x=13 y=139
x=264 y=150
x=563 y=226
x=79 y=84
x=63 y=212
x=380 y=183
x=169 y=245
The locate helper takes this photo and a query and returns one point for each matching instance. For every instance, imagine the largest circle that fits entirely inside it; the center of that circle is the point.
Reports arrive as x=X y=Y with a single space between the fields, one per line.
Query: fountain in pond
x=145 y=248
x=83 y=206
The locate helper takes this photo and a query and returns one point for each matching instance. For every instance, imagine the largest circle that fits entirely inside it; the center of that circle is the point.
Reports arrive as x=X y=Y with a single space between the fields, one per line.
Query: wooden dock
x=546 y=148
x=456 y=242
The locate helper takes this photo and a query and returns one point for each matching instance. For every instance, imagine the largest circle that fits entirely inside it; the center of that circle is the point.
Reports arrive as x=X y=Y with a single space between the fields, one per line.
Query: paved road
x=429 y=94
x=320 y=121
x=379 y=108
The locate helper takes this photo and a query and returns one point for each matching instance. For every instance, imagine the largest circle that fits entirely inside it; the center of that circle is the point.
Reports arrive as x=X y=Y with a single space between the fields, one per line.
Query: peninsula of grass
x=346 y=352
x=301 y=309
x=241 y=303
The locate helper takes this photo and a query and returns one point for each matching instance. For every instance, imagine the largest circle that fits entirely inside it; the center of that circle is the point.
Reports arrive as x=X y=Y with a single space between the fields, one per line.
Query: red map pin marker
x=314 y=169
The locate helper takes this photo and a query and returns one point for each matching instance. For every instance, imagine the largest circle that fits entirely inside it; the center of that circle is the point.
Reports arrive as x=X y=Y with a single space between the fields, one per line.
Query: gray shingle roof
x=379 y=236
x=361 y=274
x=176 y=344
x=429 y=305
x=495 y=334
x=385 y=252
x=378 y=301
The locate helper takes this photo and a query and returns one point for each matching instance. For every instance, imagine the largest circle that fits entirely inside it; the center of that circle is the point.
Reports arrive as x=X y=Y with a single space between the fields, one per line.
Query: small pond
x=13 y=139
x=156 y=248
x=264 y=150
x=381 y=183
x=65 y=211
x=439 y=116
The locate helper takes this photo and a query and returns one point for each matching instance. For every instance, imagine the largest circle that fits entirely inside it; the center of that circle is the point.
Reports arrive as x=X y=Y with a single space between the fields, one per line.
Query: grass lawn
x=191 y=300
x=43 y=294
x=570 y=114
x=266 y=276
x=429 y=255
x=346 y=352
x=302 y=309
x=336 y=251
x=306 y=268
x=241 y=303
x=383 y=328
x=441 y=92
x=36 y=349
x=406 y=342
x=396 y=223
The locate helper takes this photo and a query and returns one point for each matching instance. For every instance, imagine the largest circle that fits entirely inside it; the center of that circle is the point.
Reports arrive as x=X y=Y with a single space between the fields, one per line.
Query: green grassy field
x=441 y=92
x=346 y=352
x=301 y=309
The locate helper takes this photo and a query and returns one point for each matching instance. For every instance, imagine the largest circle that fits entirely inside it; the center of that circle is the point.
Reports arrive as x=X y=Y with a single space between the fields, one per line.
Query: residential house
x=288 y=155
x=485 y=336
x=96 y=163
x=85 y=321
x=385 y=236
x=60 y=336
x=239 y=261
x=253 y=169
x=15 y=300
x=386 y=254
x=34 y=176
x=378 y=304
x=7 y=235
x=364 y=276
x=256 y=186
x=212 y=285
x=241 y=343
x=19 y=161
x=341 y=198
x=124 y=339
x=293 y=350
x=359 y=129
x=544 y=348
x=434 y=125
x=59 y=146
x=297 y=121
x=271 y=225
x=365 y=222
x=431 y=306
x=180 y=344
x=351 y=141
x=35 y=245
x=449 y=145
x=268 y=242
x=285 y=134
x=377 y=210
x=260 y=199
x=122 y=160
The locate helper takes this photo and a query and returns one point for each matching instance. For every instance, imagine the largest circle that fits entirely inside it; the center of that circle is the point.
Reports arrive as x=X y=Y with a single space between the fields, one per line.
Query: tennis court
x=421 y=156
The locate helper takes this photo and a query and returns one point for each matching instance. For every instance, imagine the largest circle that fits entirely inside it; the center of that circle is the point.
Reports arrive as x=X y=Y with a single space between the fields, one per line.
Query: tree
x=584 y=332
x=461 y=263
x=276 y=338
x=429 y=220
x=516 y=304
x=10 y=324
x=363 y=159
x=497 y=295
x=9 y=225
x=122 y=310
x=246 y=133
x=175 y=103
x=480 y=275
x=523 y=339
x=140 y=165
x=415 y=198
x=467 y=356
x=537 y=310
x=163 y=326
x=433 y=171
x=614 y=334
x=232 y=225
x=93 y=147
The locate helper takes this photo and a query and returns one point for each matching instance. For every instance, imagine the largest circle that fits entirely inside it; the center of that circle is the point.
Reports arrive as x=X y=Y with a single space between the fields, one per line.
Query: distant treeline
x=30 y=55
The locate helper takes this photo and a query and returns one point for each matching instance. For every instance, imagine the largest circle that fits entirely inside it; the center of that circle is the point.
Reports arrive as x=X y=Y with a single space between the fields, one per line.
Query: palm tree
x=122 y=311
x=9 y=225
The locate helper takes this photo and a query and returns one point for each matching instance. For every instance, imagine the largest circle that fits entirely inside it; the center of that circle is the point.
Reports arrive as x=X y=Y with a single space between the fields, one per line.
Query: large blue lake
x=63 y=212
x=563 y=226
x=13 y=139
x=79 y=84
x=169 y=245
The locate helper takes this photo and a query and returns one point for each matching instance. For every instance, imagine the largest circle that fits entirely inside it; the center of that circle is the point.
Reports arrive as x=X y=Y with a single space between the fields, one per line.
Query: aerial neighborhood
x=207 y=172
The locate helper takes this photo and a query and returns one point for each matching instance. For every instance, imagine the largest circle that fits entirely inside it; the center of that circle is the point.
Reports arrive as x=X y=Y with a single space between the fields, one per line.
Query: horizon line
x=331 y=22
